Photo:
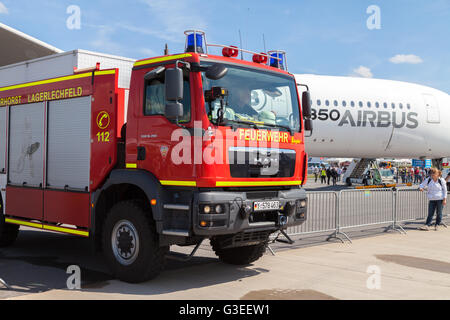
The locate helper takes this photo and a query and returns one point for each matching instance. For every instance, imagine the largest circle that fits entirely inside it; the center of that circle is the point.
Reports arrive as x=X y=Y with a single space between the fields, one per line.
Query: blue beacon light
x=195 y=41
x=275 y=62
x=278 y=59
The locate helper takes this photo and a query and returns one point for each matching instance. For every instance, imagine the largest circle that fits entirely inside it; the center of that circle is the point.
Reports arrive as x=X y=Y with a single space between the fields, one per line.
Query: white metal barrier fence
x=346 y=209
x=321 y=216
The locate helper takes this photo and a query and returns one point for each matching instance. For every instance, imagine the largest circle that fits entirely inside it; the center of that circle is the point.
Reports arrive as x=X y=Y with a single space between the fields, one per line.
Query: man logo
x=164 y=151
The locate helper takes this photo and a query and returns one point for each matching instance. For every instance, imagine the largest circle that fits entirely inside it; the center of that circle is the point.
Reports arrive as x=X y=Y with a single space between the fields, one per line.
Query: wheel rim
x=125 y=242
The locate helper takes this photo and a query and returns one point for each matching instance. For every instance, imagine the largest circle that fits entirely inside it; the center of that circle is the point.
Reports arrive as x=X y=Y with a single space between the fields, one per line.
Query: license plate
x=266 y=206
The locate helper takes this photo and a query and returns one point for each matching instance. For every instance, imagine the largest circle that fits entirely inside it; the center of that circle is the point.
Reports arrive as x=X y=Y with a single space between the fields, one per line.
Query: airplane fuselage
x=372 y=118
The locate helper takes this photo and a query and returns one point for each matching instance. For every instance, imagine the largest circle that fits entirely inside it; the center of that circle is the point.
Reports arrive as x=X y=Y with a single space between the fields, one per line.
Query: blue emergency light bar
x=278 y=59
x=195 y=41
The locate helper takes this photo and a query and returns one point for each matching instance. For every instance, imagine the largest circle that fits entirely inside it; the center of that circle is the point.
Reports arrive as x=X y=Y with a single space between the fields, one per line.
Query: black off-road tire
x=239 y=255
x=149 y=258
x=8 y=232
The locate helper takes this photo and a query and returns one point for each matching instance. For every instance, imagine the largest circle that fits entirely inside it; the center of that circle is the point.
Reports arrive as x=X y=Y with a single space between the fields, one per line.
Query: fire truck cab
x=212 y=148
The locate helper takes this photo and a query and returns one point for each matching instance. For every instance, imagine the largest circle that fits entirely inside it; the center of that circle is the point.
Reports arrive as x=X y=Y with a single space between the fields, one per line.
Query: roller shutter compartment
x=69 y=142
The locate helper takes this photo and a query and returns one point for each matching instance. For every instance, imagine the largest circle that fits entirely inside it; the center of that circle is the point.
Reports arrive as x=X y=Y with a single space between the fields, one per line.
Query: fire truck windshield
x=255 y=98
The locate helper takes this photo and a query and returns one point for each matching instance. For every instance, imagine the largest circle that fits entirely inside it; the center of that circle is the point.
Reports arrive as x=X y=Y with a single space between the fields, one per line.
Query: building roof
x=17 y=46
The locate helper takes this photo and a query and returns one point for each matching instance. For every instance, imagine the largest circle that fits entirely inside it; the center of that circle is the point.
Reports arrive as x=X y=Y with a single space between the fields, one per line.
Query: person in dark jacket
x=328 y=175
x=334 y=175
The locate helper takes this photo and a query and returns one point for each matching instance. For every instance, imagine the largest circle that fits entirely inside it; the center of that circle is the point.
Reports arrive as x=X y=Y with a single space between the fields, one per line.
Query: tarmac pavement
x=396 y=266
x=377 y=265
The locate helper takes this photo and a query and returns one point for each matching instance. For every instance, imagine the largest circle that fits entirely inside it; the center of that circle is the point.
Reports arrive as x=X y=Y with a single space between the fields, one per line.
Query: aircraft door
x=432 y=107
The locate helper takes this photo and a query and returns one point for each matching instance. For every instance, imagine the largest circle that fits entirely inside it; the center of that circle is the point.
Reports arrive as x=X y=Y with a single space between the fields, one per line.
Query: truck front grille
x=261 y=163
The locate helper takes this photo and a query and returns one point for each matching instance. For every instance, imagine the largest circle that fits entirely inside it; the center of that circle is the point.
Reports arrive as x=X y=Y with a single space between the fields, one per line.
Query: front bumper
x=236 y=219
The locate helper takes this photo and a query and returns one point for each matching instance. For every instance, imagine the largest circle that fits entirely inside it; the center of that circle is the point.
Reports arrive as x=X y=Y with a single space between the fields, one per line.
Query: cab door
x=163 y=147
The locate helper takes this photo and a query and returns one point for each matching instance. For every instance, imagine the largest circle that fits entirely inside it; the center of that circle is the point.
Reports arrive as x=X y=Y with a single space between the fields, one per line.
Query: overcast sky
x=410 y=43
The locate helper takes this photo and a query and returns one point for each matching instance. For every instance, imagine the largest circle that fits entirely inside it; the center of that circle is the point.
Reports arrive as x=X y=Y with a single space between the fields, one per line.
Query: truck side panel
x=60 y=144
x=24 y=202
x=70 y=208
x=104 y=113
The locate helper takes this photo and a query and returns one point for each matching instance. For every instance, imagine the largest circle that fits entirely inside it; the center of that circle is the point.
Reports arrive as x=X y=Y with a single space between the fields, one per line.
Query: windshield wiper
x=290 y=130
x=251 y=124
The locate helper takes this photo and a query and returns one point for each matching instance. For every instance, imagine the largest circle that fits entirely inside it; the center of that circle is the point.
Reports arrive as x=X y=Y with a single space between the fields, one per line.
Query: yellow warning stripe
x=178 y=183
x=232 y=183
x=67 y=230
x=256 y=183
x=156 y=60
x=24 y=223
x=60 y=79
x=47 y=227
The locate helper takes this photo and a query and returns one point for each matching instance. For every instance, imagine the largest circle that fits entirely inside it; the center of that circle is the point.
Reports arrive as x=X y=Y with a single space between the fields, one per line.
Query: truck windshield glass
x=261 y=99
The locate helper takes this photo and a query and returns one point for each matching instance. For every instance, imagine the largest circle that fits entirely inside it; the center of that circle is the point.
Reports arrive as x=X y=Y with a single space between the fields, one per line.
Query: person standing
x=316 y=173
x=395 y=173
x=411 y=175
x=416 y=175
x=323 y=175
x=328 y=175
x=422 y=175
x=334 y=175
x=403 y=175
x=437 y=196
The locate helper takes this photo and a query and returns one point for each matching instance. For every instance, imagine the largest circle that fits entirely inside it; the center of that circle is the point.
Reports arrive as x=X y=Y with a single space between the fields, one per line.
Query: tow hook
x=245 y=211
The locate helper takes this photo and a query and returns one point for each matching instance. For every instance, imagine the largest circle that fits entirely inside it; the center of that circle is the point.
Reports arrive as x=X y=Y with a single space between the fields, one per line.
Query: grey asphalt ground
x=35 y=267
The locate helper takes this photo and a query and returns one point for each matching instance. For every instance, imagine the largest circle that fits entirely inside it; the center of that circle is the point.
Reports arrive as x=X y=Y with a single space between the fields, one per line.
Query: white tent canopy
x=16 y=46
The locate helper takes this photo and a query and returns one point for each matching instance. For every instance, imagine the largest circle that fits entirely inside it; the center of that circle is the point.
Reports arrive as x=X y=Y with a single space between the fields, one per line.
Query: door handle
x=141 y=153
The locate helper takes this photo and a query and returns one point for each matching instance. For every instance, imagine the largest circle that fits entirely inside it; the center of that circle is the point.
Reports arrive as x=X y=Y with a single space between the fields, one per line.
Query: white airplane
x=371 y=118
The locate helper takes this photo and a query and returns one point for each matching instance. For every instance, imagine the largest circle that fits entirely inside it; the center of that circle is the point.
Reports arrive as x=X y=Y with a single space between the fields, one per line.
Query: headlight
x=303 y=203
x=213 y=209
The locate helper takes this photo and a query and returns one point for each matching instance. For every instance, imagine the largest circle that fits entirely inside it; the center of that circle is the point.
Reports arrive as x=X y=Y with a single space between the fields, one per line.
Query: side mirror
x=173 y=110
x=174 y=84
x=216 y=71
x=308 y=125
x=306 y=103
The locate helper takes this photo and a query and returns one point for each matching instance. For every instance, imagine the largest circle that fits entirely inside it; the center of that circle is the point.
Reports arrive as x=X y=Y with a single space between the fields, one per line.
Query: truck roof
x=21 y=47
x=159 y=59
x=62 y=64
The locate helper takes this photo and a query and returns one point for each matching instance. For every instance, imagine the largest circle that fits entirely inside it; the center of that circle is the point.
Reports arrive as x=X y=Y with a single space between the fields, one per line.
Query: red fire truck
x=212 y=148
